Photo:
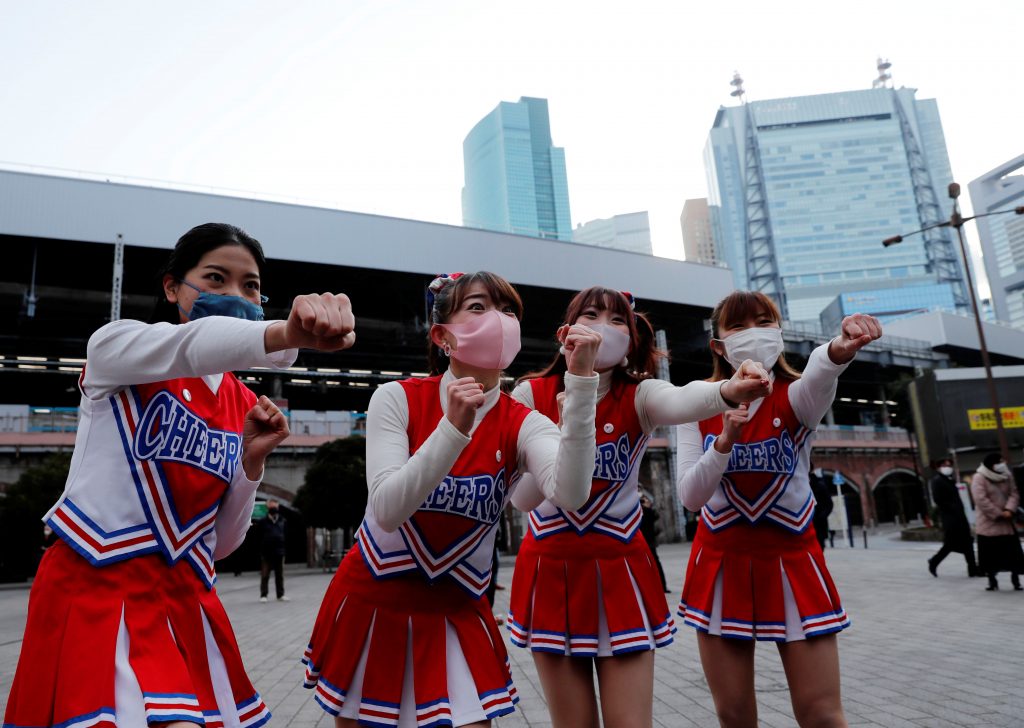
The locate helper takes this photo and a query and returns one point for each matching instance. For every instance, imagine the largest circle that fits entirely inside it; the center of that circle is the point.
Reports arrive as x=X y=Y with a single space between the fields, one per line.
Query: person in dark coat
x=272 y=527
x=823 y=504
x=649 y=530
x=956 y=531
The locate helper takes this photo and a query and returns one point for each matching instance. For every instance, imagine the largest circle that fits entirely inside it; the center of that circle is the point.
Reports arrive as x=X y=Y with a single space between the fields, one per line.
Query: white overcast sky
x=363 y=104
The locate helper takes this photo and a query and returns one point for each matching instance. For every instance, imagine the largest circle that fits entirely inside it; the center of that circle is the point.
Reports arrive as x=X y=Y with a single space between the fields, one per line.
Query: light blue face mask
x=214 y=304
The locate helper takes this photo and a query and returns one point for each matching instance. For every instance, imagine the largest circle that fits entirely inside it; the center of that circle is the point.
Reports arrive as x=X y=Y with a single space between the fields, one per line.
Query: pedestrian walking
x=823 y=504
x=756 y=570
x=124 y=623
x=585 y=594
x=404 y=637
x=996 y=500
x=272 y=550
x=649 y=530
x=956 y=531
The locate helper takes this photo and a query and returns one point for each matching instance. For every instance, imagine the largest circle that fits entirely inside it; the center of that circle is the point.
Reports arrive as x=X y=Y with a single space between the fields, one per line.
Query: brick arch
x=895 y=471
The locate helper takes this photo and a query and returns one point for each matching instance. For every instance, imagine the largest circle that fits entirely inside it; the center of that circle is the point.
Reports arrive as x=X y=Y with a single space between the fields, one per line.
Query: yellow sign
x=983 y=419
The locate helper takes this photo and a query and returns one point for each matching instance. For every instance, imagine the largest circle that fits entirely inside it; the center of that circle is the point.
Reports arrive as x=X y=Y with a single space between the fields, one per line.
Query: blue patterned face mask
x=213 y=304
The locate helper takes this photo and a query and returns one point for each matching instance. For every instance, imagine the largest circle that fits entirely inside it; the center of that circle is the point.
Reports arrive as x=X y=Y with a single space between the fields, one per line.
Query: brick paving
x=922 y=652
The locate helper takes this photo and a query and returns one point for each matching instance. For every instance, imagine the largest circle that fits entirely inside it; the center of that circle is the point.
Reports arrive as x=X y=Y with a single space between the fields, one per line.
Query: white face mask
x=758 y=343
x=1000 y=468
x=614 y=346
x=947 y=471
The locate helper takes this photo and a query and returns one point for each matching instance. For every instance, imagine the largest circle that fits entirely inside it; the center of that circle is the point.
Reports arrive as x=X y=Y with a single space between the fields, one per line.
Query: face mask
x=1000 y=468
x=946 y=470
x=489 y=341
x=212 y=304
x=759 y=344
x=614 y=346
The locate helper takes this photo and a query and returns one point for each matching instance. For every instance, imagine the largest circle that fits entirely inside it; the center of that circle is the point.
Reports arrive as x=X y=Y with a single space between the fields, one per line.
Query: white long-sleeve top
x=699 y=471
x=101 y=512
x=398 y=484
x=658 y=404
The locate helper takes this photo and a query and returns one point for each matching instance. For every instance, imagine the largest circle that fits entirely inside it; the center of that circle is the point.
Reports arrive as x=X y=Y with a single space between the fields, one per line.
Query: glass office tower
x=803 y=190
x=515 y=178
x=1002 y=237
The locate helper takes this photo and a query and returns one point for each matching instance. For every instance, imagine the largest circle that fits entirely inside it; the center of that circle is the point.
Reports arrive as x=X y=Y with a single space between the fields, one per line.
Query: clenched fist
x=264 y=429
x=748 y=383
x=733 y=422
x=465 y=397
x=857 y=331
x=579 y=344
x=321 y=321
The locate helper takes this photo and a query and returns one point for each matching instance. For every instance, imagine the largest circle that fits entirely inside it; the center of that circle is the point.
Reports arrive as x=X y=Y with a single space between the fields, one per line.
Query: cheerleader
x=586 y=585
x=124 y=624
x=403 y=636
x=756 y=571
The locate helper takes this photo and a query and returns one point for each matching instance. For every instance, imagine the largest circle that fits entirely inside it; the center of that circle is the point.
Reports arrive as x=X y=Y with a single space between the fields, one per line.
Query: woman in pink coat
x=996 y=500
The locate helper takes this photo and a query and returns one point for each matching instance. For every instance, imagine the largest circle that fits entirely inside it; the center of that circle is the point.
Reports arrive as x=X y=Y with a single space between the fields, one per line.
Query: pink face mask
x=614 y=346
x=489 y=341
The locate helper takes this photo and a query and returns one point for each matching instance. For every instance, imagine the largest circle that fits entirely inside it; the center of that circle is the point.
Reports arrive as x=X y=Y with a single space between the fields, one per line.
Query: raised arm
x=698 y=472
x=661 y=403
x=812 y=394
x=561 y=461
x=397 y=482
x=130 y=352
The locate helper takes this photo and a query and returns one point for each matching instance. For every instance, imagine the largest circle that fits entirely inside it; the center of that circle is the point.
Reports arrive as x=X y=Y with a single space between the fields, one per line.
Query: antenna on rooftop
x=884 y=77
x=737 y=84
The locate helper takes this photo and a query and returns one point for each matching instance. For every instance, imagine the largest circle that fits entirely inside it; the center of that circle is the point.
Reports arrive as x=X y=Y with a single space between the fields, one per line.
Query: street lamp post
x=956 y=221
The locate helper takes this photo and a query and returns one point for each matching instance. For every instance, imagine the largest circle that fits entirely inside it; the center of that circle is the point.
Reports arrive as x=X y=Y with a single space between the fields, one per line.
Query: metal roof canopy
x=42 y=206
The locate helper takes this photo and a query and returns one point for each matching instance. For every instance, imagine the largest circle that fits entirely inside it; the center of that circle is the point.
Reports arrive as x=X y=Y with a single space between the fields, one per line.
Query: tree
x=21 y=531
x=334 y=492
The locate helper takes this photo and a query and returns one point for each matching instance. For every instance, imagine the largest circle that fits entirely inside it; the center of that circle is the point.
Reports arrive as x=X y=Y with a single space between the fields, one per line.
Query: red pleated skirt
x=138 y=623
x=760 y=582
x=587 y=596
x=401 y=651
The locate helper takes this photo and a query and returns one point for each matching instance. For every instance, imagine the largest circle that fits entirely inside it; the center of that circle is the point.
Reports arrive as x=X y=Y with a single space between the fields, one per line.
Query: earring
x=447 y=349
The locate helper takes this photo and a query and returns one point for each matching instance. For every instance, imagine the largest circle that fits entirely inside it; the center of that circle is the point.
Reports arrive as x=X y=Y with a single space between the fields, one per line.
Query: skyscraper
x=630 y=232
x=803 y=190
x=698 y=240
x=515 y=178
x=1002 y=237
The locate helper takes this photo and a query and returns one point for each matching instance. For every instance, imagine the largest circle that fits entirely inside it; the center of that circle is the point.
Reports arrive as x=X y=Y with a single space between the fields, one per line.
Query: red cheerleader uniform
x=756 y=570
x=412 y=597
x=124 y=624
x=585 y=582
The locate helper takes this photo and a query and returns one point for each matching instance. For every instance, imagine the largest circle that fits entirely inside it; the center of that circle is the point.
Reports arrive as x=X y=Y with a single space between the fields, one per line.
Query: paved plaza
x=922 y=652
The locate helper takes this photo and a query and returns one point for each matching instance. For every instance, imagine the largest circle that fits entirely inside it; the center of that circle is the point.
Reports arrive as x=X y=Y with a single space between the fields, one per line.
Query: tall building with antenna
x=802 y=191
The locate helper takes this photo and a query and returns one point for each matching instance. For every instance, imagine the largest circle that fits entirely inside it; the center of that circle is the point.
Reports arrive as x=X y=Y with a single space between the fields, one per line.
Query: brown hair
x=643 y=355
x=447 y=301
x=738 y=306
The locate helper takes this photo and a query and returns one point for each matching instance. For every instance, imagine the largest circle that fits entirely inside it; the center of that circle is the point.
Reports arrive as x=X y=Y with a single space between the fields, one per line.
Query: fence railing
x=68 y=422
x=862 y=434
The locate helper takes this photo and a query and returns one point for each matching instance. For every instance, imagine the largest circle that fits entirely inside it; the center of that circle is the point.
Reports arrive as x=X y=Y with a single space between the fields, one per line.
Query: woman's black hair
x=187 y=253
x=991 y=459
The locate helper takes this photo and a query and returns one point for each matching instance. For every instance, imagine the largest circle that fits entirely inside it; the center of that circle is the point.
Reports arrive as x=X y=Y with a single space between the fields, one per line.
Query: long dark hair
x=187 y=253
x=445 y=302
x=643 y=355
x=738 y=306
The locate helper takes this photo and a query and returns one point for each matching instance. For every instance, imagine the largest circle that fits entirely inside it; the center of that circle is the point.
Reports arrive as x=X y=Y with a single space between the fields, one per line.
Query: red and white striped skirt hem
x=760 y=582
x=401 y=651
x=587 y=596
x=128 y=644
